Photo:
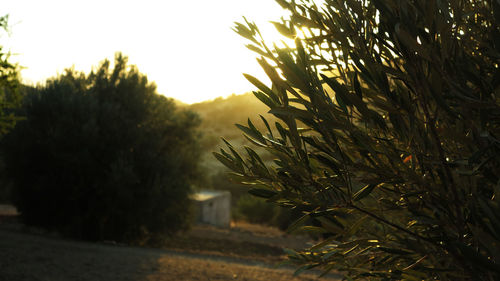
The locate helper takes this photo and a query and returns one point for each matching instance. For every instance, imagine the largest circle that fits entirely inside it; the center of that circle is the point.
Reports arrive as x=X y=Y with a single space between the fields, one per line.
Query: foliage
x=9 y=83
x=219 y=181
x=257 y=210
x=10 y=100
x=215 y=113
x=216 y=123
x=103 y=156
x=399 y=156
x=254 y=209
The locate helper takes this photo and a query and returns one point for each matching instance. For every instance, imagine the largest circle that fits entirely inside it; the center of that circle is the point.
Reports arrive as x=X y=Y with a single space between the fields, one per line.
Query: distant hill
x=219 y=117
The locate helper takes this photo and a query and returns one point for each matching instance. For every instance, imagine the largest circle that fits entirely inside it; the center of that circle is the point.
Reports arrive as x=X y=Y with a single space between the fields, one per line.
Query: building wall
x=214 y=208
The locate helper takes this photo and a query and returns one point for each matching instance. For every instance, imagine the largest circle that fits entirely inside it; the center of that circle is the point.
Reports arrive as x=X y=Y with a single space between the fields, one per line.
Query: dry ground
x=244 y=252
x=242 y=241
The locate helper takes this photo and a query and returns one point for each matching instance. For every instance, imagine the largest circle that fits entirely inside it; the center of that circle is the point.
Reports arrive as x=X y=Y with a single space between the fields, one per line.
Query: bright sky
x=186 y=47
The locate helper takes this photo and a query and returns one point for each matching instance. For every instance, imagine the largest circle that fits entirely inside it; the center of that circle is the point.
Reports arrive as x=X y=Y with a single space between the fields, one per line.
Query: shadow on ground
x=242 y=252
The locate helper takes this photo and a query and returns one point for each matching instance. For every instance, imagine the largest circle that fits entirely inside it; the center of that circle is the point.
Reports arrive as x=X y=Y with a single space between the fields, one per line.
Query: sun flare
x=186 y=47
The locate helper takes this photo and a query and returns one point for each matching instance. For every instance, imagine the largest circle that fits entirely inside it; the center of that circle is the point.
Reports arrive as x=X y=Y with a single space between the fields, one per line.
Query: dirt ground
x=242 y=241
x=243 y=252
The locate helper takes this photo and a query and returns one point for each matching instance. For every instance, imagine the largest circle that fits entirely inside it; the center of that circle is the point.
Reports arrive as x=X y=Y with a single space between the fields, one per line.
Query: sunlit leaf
x=284 y=30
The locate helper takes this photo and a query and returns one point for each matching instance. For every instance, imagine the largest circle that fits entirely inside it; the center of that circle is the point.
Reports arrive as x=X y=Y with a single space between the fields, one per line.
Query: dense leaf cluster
x=388 y=136
x=103 y=156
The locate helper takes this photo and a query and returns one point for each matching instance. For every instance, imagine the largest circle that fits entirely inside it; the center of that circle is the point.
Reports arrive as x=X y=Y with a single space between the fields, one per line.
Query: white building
x=213 y=207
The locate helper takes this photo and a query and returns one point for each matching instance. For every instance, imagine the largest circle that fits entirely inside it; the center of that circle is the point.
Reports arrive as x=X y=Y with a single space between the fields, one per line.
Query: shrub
x=254 y=210
x=258 y=210
x=250 y=208
x=398 y=155
x=219 y=181
x=103 y=156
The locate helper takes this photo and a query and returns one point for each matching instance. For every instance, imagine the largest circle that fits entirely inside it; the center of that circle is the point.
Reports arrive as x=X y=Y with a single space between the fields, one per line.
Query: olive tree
x=388 y=135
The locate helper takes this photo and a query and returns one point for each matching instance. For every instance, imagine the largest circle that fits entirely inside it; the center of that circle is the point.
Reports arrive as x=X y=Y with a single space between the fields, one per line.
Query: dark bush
x=258 y=210
x=103 y=156
x=254 y=210
x=398 y=157
x=250 y=208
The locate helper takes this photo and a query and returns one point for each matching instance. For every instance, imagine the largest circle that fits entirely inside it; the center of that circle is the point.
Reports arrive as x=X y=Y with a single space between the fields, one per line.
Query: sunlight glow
x=186 y=47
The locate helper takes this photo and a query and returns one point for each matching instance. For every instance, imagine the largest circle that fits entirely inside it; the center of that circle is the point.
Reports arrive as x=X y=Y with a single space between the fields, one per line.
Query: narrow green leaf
x=272 y=74
x=253 y=155
x=333 y=227
x=261 y=86
x=233 y=151
x=227 y=162
x=267 y=125
x=354 y=227
x=327 y=270
x=298 y=223
x=284 y=30
x=254 y=141
x=357 y=86
x=283 y=132
x=394 y=251
x=312 y=229
x=340 y=92
x=292 y=72
x=365 y=191
x=264 y=99
x=252 y=132
x=257 y=50
x=245 y=32
x=304 y=268
x=292 y=112
x=290 y=252
x=263 y=193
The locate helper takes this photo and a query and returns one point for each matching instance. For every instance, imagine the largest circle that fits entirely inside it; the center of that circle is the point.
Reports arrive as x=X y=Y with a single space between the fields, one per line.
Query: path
x=32 y=257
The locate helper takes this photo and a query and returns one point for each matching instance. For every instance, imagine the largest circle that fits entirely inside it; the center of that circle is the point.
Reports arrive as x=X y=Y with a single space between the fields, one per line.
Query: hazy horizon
x=186 y=47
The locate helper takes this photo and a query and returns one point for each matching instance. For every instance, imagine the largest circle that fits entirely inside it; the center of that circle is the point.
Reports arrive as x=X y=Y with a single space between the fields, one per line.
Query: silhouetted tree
x=398 y=157
x=103 y=156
